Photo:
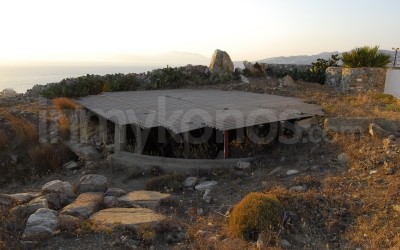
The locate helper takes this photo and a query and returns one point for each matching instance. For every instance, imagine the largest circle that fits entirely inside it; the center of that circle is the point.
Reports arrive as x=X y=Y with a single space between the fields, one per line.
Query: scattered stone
x=207 y=196
x=84 y=206
x=286 y=81
x=24 y=197
x=201 y=233
x=89 y=153
x=112 y=201
x=126 y=217
x=149 y=199
x=203 y=186
x=285 y=243
x=14 y=159
x=59 y=187
x=301 y=189
x=117 y=192
x=256 y=69
x=377 y=131
x=7 y=200
x=373 y=172
x=23 y=211
x=72 y=165
x=110 y=148
x=92 y=183
x=344 y=158
x=200 y=211
x=190 y=181
x=315 y=168
x=244 y=79
x=41 y=225
x=292 y=172
x=242 y=165
x=390 y=171
x=68 y=222
x=221 y=64
x=396 y=208
x=275 y=170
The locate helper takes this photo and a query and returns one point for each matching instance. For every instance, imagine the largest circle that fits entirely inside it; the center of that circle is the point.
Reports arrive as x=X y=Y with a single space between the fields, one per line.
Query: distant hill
x=304 y=59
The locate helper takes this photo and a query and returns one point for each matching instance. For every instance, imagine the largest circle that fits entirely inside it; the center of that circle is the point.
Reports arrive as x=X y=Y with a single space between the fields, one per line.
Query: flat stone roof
x=182 y=110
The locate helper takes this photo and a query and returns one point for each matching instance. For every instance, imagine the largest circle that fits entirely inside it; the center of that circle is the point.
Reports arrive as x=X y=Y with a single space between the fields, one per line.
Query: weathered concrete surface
x=148 y=199
x=126 y=217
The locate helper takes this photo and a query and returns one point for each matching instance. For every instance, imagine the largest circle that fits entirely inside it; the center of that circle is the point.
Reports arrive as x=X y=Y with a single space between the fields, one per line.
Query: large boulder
x=126 y=217
x=221 y=64
x=148 y=199
x=84 y=206
x=23 y=211
x=41 y=225
x=58 y=187
x=256 y=69
x=92 y=183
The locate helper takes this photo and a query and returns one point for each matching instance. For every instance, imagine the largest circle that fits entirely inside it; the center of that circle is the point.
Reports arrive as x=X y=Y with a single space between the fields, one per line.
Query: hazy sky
x=251 y=29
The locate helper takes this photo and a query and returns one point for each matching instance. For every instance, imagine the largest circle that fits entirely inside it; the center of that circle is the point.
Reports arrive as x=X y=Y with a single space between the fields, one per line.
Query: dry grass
x=25 y=131
x=64 y=103
x=64 y=127
x=45 y=159
x=3 y=139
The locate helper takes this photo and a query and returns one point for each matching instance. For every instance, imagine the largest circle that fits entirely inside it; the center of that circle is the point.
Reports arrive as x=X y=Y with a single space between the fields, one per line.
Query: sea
x=23 y=77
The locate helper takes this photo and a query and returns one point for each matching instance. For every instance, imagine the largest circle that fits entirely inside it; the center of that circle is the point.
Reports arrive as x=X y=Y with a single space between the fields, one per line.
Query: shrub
x=393 y=107
x=256 y=213
x=3 y=139
x=168 y=182
x=23 y=129
x=319 y=67
x=45 y=158
x=365 y=57
x=63 y=103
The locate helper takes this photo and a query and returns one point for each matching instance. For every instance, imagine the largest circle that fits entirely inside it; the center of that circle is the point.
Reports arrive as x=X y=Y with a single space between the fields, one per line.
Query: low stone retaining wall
x=358 y=79
x=187 y=166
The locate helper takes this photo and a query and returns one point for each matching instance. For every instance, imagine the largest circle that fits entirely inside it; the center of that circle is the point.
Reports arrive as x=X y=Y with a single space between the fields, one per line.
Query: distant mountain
x=172 y=58
x=303 y=59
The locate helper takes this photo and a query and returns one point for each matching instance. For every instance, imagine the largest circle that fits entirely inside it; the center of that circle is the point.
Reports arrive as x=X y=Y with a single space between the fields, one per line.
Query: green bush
x=256 y=213
x=365 y=57
x=168 y=182
x=319 y=67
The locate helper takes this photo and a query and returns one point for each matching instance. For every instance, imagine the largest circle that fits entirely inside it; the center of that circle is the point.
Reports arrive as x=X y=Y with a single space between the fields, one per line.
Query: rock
x=72 y=165
x=126 y=217
x=285 y=243
x=112 y=201
x=7 y=200
x=286 y=81
x=24 y=197
x=24 y=211
x=373 y=172
x=262 y=241
x=396 y=208
x=14 y=159
x=239 y=71
x=200 y=211
x=89 y=153
x=207 y=196
x=344 y=158
x=84 y=206
x=58 y=187
x=292 y=172
x=41 y=225
x=92 y=183
x=275 y=170
x=190 y=181
x=68 y=222
x=200 y=233
x=148 y=199
x=256 y=69
x=221 y=64
x=377 y=131
x=302 y=188
x=242 y=165
x=390 y=171
x=110 y=148
x=244 y=79
x=117 y=192
x=203 y=186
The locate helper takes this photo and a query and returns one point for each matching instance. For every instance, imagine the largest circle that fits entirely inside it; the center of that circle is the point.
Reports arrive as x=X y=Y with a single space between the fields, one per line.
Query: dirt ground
x=343 y=205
